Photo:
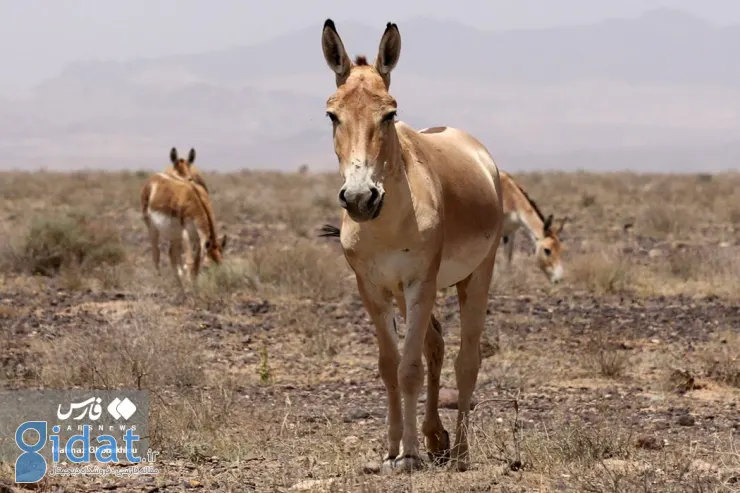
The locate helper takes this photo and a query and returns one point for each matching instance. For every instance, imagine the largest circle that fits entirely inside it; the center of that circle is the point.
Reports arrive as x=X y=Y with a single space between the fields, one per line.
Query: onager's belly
x=458 y=262
x=167 y=225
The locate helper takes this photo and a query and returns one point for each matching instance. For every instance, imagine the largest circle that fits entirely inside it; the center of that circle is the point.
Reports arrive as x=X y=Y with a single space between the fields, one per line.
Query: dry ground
x=625 y=378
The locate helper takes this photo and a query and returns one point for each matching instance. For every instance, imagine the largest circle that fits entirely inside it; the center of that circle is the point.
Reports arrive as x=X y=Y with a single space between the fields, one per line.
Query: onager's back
x=172 y=206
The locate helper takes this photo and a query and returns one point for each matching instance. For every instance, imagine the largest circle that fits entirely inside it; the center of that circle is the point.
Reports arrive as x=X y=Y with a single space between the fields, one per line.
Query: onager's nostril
x=373 y=196
x=342 y=199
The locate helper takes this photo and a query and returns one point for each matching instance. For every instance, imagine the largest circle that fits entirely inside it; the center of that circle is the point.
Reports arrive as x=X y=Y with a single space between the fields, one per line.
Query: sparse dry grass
x=269 y=378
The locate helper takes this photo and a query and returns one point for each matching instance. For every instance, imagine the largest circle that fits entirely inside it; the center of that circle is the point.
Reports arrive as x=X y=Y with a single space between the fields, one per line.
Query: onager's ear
x=223 y=241
x=548 y=224
x=334 y=53
x=191 y=157
x=388 y=52
x=561 y=225
x=173 y=155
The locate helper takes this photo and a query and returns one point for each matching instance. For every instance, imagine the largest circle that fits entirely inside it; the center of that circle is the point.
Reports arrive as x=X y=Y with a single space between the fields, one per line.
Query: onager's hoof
x=406 y=463
x=438 y=448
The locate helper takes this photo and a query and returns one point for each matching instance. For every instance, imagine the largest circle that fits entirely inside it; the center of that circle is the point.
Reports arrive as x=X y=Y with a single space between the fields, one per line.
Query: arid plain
x=623 y=378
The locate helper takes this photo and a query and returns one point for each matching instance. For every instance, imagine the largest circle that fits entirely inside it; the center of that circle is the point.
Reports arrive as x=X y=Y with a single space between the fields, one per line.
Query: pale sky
x=39 y=37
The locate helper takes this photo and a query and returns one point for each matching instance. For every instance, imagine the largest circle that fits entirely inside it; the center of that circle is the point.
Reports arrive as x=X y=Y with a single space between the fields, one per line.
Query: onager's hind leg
x=473 y=296
x=380 y=308
x=176 y=260
x=437 y=440
x=154 y=240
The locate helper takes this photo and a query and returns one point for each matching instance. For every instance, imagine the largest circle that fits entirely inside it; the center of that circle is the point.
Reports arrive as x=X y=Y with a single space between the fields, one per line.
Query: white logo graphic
x=94 y=408
x=121 y=408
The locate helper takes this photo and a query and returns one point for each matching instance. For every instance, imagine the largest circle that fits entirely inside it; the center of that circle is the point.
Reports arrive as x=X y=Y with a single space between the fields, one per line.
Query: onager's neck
x=529 y=214
x=204 y=221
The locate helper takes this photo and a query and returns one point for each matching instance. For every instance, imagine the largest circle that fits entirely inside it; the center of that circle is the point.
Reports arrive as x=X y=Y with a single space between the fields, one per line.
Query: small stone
x=655 y=252
x=703 y=466
x=313 y=485
x=686 y=420
x=371 y=467
x=448 y=399
x=351 y=441
x=356 y=416
x=648 y=442
x=192 y=483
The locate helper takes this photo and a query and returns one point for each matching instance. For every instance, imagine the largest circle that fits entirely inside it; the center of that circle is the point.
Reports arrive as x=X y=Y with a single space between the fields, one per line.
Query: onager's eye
x=332 y=117
x=389 y=117
x=547 y=251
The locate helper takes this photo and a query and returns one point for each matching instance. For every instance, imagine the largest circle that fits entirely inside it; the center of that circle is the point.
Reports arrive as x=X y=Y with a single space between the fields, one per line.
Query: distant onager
x=171 y=206
x=422 y=211
x=187 y=170
x=520 y=210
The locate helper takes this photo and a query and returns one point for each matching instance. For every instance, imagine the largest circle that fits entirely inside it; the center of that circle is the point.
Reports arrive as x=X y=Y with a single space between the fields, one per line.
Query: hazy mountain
x=661 y=91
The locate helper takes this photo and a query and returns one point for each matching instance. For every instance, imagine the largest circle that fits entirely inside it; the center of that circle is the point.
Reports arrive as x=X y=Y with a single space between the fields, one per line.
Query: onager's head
x=215 y=249
x=363 y=115
x=185 y=169
x=549 y=250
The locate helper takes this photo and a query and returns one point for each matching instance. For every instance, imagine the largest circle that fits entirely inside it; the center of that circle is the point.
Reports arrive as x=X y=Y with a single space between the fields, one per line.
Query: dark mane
x=531 y=202
x=360 y=60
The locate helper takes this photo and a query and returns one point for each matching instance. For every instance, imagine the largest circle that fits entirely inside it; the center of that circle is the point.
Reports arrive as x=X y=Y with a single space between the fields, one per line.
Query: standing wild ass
x=172 y=205
x=422 y=211
x=520 y=210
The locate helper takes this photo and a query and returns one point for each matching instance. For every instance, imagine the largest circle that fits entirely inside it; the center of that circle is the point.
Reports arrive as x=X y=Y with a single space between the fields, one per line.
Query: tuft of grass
x=59 y=245
x=601 y=272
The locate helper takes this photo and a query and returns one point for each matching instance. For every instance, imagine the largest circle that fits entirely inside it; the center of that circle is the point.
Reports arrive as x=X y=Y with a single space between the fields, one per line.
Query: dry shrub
x=721 y=359
x=68 y=242
x=601 y=272
x=140 y=347
x=708 y=271
x=302 y=270
x=605 y=359
x=664 y=222
x=198 y=424
x=577 y=445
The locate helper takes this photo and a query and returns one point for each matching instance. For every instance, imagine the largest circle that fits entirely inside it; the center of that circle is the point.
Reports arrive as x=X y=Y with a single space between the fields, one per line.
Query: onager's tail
x=146 y=192
x=327 y=230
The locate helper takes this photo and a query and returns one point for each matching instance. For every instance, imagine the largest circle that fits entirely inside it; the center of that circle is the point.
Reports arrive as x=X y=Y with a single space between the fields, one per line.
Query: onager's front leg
x=379 y=306
x=420 y=296
x=473 y=296
x=436 y=438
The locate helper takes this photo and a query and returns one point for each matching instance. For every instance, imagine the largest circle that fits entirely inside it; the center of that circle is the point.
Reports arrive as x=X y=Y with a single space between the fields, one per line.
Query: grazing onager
x=422 y=211
x=187 y=170
x=171 y=206
x=520 y=210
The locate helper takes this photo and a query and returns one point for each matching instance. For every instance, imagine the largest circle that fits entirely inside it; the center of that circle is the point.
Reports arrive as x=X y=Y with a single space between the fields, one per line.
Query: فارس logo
x=121 y=408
